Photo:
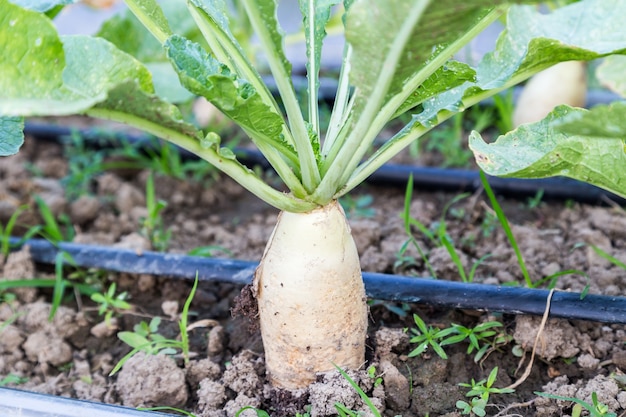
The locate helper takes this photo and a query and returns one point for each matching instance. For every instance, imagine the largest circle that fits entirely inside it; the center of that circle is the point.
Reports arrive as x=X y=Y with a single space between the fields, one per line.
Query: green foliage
x=428 y=336
x=209 y=251
x=390 y=69
x=343 y=410
x=359 y=207
x=480 y=338
x=437 y=234
x=12 y=379
x=51 y=230
x=7 y=230
x=152 y=225
x=371 y=372
x=162 y=158
x=84 y=165
x=145 y=337
x=507 y=229
x=595 y=409
x=110 y=303
x=480 y=391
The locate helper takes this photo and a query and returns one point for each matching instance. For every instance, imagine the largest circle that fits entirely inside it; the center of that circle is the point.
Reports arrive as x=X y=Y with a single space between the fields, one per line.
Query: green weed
x=437 y=234
x=84 y=165
x=429 y=336
x=51 y=229
x=595 y=409
x=480 y=392
x=110 y=303
x=145 y=337
x=12 y=379
x=7 y=230
x=358 y=207
x=152 y=225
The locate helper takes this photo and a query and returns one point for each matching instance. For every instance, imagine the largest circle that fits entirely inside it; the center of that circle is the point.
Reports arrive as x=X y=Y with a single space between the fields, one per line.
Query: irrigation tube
x=439 y=293
x=29 y=404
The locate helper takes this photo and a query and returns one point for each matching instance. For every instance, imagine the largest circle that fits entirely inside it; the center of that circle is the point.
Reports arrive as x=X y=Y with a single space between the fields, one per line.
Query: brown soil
x=73 y=354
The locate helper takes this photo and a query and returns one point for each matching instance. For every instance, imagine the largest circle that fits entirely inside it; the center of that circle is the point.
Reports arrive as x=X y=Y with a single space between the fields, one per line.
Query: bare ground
x=73 y=354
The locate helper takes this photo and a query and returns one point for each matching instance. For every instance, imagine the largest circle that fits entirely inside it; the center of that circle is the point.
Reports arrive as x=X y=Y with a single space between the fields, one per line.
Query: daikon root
x=311 y=298
x=564 y=83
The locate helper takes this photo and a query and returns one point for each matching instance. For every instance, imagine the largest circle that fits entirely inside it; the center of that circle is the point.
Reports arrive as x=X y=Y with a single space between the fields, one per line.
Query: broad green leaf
x=129 y=99
x=450 y=76
x=534 y=41
x=151 y=15
x=212 y=18
x=408 y=41
x=587 y=145
x=40 y=75
x=42 y=5
x=262 y=14
x=612 y=74
x=204 y=75
x=166 y=85
x=131 y=36
x=11 y=134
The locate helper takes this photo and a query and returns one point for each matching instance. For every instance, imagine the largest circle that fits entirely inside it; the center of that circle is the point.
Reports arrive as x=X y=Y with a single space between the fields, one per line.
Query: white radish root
x=311 y=298
x=564 y=83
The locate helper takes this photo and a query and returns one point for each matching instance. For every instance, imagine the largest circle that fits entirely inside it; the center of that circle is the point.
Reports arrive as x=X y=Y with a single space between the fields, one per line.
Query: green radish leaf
x=42 y=5
x=204 y=75
x=611 y=74
x=35 y=80
x=127 y=33
x=151 y=15
x=451 y=75
x=534 y=41
x=586 y=145
x=11 y=134
x=316 y=16
x=390 y=46
x=212 y=19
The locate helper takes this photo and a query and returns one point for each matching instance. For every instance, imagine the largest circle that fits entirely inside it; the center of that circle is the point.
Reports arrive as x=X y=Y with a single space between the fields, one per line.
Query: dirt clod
x=151 y=380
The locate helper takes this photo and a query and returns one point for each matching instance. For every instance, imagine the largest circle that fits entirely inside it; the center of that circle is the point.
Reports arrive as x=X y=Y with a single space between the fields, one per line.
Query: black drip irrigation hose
x=438 y=293
x=426 y=178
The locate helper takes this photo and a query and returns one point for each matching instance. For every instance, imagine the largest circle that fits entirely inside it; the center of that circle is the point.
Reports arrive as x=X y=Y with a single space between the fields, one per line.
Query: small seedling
x=51 y=230
x=84 y=164
x=480 y=391
x=163 y=159
x=7 y=230
x=111 y=303
x=505 y=105
x=152 y=225
x=344 y=411
x=145 y=337
x=155 y=343
x=429 y=336
x=371 y=372
x=595 y=409
x=358 y=207
x=478 y=337
x=437 y=234
x=12 y=379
